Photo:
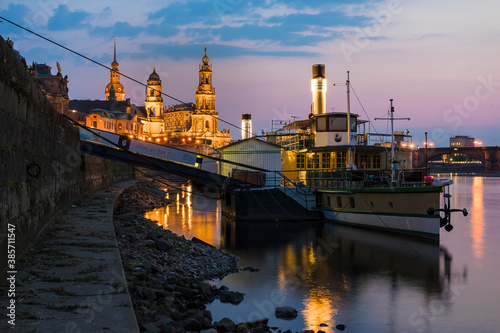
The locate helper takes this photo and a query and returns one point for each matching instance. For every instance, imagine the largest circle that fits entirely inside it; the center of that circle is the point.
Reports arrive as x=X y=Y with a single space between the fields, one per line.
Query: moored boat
x=359 y=177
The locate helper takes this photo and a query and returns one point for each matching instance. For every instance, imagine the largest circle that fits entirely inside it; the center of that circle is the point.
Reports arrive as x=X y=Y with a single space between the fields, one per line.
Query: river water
x=367 y=281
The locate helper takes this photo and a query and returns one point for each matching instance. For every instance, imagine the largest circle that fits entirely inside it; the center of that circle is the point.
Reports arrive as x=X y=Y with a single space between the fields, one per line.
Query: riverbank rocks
x=285 y=312
x=225 y=325
x=227 y=296
x=166 y=273
x=251 y=269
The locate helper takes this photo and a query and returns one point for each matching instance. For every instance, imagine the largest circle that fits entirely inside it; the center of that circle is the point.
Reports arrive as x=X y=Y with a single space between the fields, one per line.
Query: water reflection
x=322 y=270
x=477 y=217
x=188 y=215
x=320 y=306
x=330 y=273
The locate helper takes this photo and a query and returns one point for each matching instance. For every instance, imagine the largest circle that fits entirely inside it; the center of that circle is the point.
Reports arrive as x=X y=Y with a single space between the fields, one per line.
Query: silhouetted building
x=459 y=141
x=55 y=87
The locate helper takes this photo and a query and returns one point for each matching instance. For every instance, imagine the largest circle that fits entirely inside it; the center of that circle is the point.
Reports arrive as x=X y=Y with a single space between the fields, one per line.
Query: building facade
x=188 y=123
x=118 y=122
x=55 y=87
x=460 y=141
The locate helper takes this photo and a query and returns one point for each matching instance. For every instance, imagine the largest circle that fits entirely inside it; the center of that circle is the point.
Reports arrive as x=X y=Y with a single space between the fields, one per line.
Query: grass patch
x=61 y=291
x=28 y=315
x=52 y=279
x=90 y=279
x=93 y=269
x=68 y=308
x=89 y=245
x=68 y=263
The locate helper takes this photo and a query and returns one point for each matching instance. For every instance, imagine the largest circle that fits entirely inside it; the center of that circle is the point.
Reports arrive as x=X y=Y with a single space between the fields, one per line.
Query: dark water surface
x=368 y=281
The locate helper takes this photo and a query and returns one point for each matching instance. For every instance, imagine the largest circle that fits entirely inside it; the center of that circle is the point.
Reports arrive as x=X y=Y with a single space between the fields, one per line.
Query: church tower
x=154 y=101
x=205 y=93
x=115 y=80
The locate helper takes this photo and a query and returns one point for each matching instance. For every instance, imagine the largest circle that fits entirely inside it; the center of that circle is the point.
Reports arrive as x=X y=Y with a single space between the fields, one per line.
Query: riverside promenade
x=72 y=280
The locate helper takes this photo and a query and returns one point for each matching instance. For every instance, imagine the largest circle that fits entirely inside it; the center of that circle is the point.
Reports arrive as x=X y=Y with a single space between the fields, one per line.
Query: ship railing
x=277 y=179
x=348 y=179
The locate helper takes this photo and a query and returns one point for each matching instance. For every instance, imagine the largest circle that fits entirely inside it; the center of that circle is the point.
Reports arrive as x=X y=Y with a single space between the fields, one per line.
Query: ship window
x=351 y=201
x=338 y=124
x=321 y=124
x=316 y=161
x=341 y=159
x=363 y=161
x=353 y=124
x=376 y=161
x=339 y=201
x=310 y=162
x=301 y=161
x=328 y=201
x=325 y=160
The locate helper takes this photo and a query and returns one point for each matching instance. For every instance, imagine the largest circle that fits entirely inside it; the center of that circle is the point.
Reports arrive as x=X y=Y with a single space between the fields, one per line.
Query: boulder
x=191 y=324
x=150 y=328
x=285 y=312
x=242 y=328
x=225 y=325
x=210 y=330
x=258 y=322
x=163 y=245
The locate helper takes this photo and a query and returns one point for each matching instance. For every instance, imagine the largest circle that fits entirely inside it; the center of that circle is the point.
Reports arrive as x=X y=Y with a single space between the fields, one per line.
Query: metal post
x=426 y=168
x=349 y=157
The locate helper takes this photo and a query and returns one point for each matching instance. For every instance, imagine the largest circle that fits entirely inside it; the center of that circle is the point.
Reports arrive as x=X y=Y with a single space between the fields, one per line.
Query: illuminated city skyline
x=436 y=60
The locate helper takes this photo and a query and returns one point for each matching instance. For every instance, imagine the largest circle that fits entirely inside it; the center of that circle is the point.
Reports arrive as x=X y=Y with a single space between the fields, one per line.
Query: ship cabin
x=323 y=152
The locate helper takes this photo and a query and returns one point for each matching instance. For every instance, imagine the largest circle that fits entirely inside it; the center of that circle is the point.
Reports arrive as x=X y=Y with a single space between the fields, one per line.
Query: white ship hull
x=420 y=226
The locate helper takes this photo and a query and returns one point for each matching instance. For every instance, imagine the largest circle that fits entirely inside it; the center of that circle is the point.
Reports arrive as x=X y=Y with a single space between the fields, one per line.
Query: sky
x=438 y=60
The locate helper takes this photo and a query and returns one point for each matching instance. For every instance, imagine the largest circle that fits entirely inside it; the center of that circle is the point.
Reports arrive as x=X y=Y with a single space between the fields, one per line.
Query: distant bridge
x=489 y=156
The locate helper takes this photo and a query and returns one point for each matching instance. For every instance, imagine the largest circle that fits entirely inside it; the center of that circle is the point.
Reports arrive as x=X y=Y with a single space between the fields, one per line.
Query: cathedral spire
x=205 y=93
x=114 y=64
x=205 y=58
x=114 y=81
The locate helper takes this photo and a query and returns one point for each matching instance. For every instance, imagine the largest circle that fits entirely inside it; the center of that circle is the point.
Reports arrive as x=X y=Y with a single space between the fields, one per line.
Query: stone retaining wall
x=41 y=167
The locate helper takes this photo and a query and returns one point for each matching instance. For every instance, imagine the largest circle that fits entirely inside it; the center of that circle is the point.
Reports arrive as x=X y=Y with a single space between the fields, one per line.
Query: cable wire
x=109 y=68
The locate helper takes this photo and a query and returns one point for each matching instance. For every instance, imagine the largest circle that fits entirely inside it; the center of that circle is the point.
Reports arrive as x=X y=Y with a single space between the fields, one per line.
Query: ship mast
x=394 y=180
x=349 y=155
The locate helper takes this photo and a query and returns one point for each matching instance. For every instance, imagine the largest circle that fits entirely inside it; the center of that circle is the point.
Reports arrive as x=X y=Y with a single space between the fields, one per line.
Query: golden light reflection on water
x=320 y=307
x=477 y=217
x=298 y=269
x=182 y=218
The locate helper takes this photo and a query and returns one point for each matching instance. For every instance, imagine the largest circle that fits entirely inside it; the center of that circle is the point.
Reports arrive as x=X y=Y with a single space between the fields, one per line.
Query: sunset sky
x=438 y=60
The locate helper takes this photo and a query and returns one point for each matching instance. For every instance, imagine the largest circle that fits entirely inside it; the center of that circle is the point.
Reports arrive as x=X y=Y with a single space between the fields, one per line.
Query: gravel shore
x=166 y=273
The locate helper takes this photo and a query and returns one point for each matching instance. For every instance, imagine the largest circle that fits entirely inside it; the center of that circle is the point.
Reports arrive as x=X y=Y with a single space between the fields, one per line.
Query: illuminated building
x=114 y=74
x=246 y=126
x=186 y=123
x=461 y=141
x=154 y=101
x=154 y=124
x=114 y=121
